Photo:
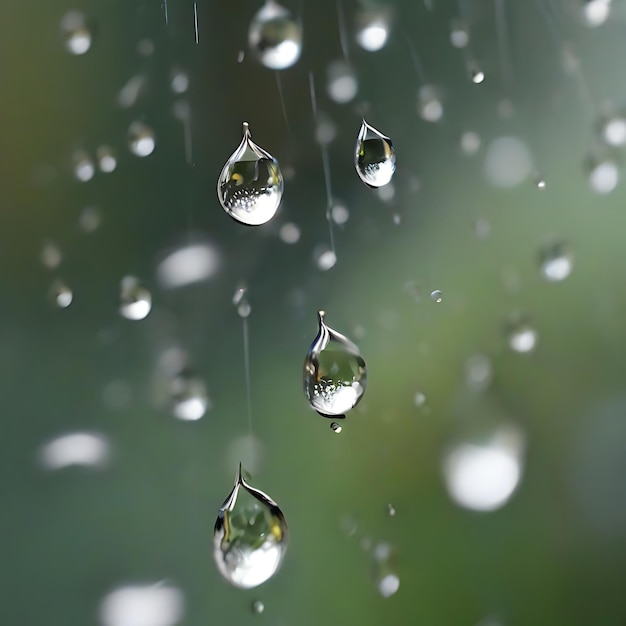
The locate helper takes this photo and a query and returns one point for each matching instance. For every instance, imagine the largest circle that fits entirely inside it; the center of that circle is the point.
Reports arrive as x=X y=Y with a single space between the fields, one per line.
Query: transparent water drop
x=391 y=510
x=476 y=74
x=289 y=233
x=250 y=536
x=325 y=259
x=459 y=34
x=190 y=400
x=603 y=174
x=258 y=607
x=595 y=12
x=437 y=296
x=250 y=186
x=76 y=32
x=540 y=182
x=75 y=449
x=141 y=139
x=556 y=260
x=106 y=159
x=374 y=156
x=373 y=28
x=60 y=294
x=521 y=335
x=143 y=605
x=325 y=129
x=386 y=580
x=130 y=92
x=335 y=375
x=335 y=427
x=342 y=84
x=135 y=300
x=89 y=219
x=429 y=104
x=241 y=55
x=275 y=37
x=240 y=300
x=83 y=165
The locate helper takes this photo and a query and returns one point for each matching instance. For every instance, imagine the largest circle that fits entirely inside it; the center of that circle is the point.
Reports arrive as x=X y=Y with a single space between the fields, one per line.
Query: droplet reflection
x=374 y=156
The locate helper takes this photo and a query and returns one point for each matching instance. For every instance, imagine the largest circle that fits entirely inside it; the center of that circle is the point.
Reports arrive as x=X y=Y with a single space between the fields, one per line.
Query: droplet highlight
x=335 y=374
x=557 y=261
x=250 y=186
x=141 y=139
x=135 y=300
x=76 y=33
x=250 y=536
x=374 y=157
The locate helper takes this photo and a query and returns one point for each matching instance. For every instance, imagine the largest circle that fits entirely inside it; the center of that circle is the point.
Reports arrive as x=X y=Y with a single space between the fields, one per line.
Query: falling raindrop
x=135 y=300
x=189 y=396
x=141 y=139
x=372 y=30
x=106 y=159
x=556 y=262
x=275 y=37
x=459 y=34
x=342 y=84
x=335 y=427
x=429 y=105
x=250 y=536
x=335 y=375
x=84 y=168
x=437 y=296
x=374 y=156
x=258 y=607
x=521 y=335
x=250 y=186
x=60 y=294
x=76 y=32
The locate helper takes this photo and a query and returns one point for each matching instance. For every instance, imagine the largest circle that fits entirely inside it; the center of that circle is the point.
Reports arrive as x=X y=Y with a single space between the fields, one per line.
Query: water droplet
x=612 y=128
x=459 y=34
x=374 y=157
x=258 y=607
x=477 y=75
x=145 y=47
x=190 y=264
x=372 y=31
x=89 y=219
x=130 y=91
x=143 y=605
x=241 y=55
x=386 y=579
x=540 y=182
x=420 y=399
x=508 y=162
x=522 y=337
x=180 y=81
x=603 y=174
x=342 y=84
x=437 y=296
x=76 y=32
x=386 y=193
x=470 y=143
x=106 y=159
x=556 y=261
x=190 y=401
x=391 y=510
x=289 y=233
x=60 y=294
x=595 y=12
x=240 y=300
x=429 y=104
x=340 y=214
x=275 y=37
x=325 y=259
x=478 y=372
x=335 y=427
x=75 y=449
x=51 y=256
x=250 y=186
x=325 y=129
x=84 y=168
x=135 y=300
x=335 y=375
x=250 y=536
x=141 y=139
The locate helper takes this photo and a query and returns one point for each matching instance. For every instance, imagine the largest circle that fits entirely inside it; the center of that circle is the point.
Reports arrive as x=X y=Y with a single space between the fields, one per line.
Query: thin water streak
x=279 y=84
x=165 y=11
x=341 y=23
x=246 y=364
x=195 y=19
x=417 y=63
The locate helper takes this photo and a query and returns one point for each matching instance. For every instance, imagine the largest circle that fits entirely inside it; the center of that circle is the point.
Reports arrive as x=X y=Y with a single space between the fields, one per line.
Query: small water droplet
x=51 y=256
x=240 y=300
x=241 y=55
x=386 y=580
x=325 y=259
x=106 y=159
x=437 y=296
x=325 y=129
x=429 y=104
x=372 y=31
x=374 y=157
x=420 y=399
x=135 y=300
x=603 y=174
x=89 y=219
x=76 y=32
x=60 y=294
x=556 y=262
x=189 y=396
x=289 y=233
x=84 y=168
x=340 y=214
x=470 y=143
x=540 y=182
x=250 y=186
x=141 y=139
x=391 y=510
x=145 y=47
x=508 y=162
x=250 y=536
x=522 y=337
x=180 y=81
x=459 y=34
x=612 y=126
x=478 y=372
x=335 y=427
x=477 y=75
x=342 y=84
x=258 y=607
x=130 y=91
x=275 y=37
x=335 y=375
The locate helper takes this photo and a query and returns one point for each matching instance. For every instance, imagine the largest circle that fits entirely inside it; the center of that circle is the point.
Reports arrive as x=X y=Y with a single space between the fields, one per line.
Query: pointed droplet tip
x=320 y=316
x=239 y=478
x=246 y=128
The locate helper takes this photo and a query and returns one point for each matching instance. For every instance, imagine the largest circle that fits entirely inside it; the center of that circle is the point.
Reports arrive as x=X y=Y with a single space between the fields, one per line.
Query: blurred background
x=480 y=479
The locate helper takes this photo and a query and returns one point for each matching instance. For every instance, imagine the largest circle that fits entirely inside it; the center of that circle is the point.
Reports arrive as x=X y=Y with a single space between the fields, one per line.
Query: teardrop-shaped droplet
x=335 y=375
x=251 y=184
x=250 y=536
x=76 y=32
x=374 y=157
x=557 y=261
x=135 y=300
x=275 y=37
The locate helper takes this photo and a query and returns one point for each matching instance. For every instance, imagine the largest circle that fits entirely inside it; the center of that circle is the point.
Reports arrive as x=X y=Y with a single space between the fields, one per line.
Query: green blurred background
x=554 y=554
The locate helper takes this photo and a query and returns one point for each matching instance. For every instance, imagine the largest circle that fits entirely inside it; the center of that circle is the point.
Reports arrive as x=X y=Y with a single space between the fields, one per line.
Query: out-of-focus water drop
x=521 y=334
x=325 y=259
x=275 y=37
x=141 y=139
x=130 y=92
x=51 y=256
x=250 y=536
x=470 y=143
x=83 y=165
x=386 y=579
x=339 y=214
x=89 y=219
x=76 y=32
x=476 y=74
x=429 y=104
x=374 y=156
x=258 y=607
x=482 y=473
x=335 y=375
x=75 y=449
x=289 y=233
x=372 y=31
x=391 y=510
x=106 y=159
x=603 y=174
x=419 y=399
x=250 y=186
x=459 y=33
x=437 y=296
x=190 y=400
x=240 y=300
x=478 y=372
x=145 y=47
x=612 y=127
x=143 y=605
x=508 y=162
x=595 y=12
x=336 y=428
x=540 y=182
x=179 y=82
x=556 y=261
x=190 y=264
x=60 y=294
x=342 y=84
x=135 y=300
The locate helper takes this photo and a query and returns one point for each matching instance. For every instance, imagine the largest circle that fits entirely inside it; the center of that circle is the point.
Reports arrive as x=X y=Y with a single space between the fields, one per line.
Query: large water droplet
x=60 y=294
x=76 y=32
x=335 y=375
x=521 y=335
x=250 y=536
x=275 y=37
x=190 y=401
x=557 y=261
x=141 y=139
x=250 y=186
x=135 y=300
x=372 y=30
x=374 y=157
